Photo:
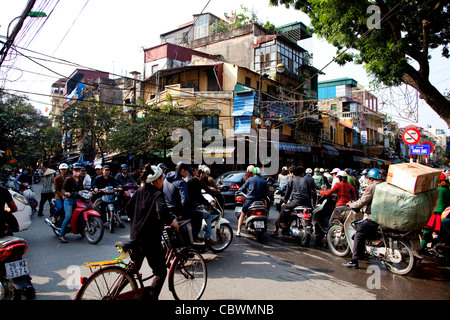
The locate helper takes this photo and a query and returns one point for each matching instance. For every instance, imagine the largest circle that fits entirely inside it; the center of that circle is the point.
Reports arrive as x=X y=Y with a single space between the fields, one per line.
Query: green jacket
x=444 y=199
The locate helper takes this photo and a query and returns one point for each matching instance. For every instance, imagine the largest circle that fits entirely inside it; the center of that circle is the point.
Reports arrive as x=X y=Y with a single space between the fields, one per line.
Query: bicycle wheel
x=106 y=284
x=188 y=276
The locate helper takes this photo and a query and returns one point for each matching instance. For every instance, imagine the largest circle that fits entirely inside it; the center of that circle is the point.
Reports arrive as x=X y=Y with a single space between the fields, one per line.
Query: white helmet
x=309 y=170
x=341 y=173
x=335 y=170
x=206 y=169
x=250 y=168
x=63 y=166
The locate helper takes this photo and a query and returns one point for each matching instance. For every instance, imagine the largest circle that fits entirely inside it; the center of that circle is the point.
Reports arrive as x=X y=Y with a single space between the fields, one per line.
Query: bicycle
x=187 y=276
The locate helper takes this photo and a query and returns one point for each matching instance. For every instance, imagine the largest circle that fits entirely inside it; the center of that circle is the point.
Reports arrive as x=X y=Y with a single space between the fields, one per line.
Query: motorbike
x=396 y=250
x=221 y=230
x=256 y=218
x=85 y=221
x=15 y=279
x=27 y=191
x=305 y=222
x=110 y=199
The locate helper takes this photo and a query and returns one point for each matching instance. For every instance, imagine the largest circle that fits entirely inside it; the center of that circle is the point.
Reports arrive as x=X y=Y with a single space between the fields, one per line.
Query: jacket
x=148 y=213
x=70 y=185
x=345 y=193
x=59 y=181
x=257 y=188
x=366 y=198
x=175 y=191
x=299 y=189
x=123 y=180
x=100 y=182
x=48 y=181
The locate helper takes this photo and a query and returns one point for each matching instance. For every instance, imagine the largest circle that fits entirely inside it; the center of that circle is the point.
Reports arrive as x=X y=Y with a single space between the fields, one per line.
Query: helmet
x=205 y=169
x=341 y=174
x=98 y=167
x=162 y=166
x=76 y=166
x=124 y=167
x=256 y=170
x=364 y=171
x=309 y=170
x=375 y=174
x=316 y=170
x=157 y=172
x=335 y=170
x=63 y=166
x=250 y=168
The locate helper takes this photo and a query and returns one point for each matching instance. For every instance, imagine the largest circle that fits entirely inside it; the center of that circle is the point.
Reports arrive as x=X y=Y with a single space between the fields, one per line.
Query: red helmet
x=443 y=177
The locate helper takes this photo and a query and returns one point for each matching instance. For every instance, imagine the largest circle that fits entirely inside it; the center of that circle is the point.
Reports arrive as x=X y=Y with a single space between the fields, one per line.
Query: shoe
x=351 y=264
x=238 y=233
x=210 y=242
x=63 y=239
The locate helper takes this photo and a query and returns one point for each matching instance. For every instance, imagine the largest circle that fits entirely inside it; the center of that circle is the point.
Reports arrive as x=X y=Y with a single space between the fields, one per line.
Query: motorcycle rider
x=257 y=191
x=124 y=177
x=59 y=196
x=22 y=178
x=6 y=200
x=319 y=181
x=71 y=184
x=345 y=193
x=100 y=182
x=148 y=213
x=176 y=193
x=196 y=198
x=298 y=193
x=368 y=227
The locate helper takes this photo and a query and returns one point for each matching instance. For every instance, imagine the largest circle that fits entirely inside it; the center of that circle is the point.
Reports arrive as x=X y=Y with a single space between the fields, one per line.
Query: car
x=24 y=211
x=231 y=181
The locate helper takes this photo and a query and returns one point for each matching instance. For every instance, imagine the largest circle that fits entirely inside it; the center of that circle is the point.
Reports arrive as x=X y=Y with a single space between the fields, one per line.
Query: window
x=210 y=122
x=248 y=81
x=201 y=27
x=155 y=68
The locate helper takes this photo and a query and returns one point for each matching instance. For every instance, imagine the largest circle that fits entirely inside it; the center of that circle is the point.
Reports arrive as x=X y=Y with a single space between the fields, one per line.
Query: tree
x=152 y=130
x=392 y=38
x=20 y=128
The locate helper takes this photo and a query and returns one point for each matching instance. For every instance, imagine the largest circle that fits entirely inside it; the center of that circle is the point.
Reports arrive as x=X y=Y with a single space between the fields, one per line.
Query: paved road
x=275 y=270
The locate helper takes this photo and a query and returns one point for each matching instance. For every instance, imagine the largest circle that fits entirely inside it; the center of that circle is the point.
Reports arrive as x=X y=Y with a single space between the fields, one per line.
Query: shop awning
x=242 y=125
x=332 y=151
x=285 y=146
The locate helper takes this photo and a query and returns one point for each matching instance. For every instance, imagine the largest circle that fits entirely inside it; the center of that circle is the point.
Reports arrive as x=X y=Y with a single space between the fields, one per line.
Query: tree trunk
x=435 y=99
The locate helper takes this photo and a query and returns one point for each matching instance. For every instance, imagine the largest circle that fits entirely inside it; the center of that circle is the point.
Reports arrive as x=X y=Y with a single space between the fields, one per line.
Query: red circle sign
x=430 y=144
x=411 y=136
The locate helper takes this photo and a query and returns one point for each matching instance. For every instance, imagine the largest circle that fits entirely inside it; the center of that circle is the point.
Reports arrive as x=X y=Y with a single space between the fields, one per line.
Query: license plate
x=258 y=224
x=237 y=209
x=16 y=269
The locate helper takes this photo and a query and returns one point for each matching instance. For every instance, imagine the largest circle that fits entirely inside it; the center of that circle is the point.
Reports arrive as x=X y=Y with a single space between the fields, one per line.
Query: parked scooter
x=15 y=279
x=27 y=191
x=256 y=218
x=110 y=199
x=305 y=222
x=394 y=249
x=85 y=220
x=221 y=230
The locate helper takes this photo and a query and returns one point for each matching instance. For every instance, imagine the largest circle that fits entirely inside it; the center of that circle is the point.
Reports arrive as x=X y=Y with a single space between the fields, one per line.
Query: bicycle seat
x=126 y=245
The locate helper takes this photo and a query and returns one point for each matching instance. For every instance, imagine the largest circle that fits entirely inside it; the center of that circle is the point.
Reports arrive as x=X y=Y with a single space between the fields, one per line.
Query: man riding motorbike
x=100 y=182
x=368 y=227
x=257 y=191
x=123 y=178
x=298 y=193
x=176 y=193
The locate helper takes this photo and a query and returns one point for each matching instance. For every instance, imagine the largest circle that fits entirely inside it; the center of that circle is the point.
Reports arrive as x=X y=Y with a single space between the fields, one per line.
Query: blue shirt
x=257 y=188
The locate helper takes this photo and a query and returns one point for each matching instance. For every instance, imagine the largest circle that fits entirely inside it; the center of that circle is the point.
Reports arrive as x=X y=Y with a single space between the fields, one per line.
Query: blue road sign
x=420 y=150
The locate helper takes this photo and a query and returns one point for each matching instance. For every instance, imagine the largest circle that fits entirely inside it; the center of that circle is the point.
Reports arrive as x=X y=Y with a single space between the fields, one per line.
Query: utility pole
x=10 y=38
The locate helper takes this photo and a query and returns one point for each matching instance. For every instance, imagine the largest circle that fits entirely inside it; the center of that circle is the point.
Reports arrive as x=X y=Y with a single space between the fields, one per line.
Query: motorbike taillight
x=14 y=250
x=239 y=199
x=257 y=213
x=234 y=186
x=306 y=215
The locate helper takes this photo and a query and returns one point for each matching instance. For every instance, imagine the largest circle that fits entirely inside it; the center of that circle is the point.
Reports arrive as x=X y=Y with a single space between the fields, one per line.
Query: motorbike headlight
x=21 y=198
x=86 y=194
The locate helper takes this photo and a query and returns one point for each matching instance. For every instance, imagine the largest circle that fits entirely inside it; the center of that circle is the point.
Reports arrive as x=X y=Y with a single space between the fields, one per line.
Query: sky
x=110 y=35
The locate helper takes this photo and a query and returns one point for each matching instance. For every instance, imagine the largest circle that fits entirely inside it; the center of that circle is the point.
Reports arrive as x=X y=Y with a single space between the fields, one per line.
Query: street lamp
x=32 y=14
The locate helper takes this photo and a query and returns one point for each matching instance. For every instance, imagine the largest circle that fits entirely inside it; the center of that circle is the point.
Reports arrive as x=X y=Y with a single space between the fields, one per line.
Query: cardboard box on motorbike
x=413 y=177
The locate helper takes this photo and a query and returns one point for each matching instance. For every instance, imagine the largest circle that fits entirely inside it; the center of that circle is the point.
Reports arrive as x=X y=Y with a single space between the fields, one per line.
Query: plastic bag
x=400 y=210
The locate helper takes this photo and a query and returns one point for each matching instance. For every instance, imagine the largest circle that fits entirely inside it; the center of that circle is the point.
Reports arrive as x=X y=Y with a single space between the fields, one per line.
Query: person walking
x=148 y=213
x=48 y=181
